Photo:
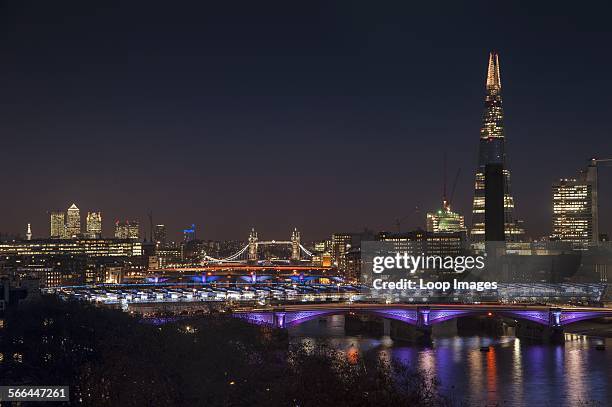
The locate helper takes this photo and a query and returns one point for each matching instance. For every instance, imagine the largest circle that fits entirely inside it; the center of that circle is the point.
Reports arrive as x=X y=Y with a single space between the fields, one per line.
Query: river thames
x=513 y=372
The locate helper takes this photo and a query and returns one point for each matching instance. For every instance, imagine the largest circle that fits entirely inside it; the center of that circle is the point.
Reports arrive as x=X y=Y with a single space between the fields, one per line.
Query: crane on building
x=398 y=221
x=447 y=200
x=596 y=161
x=452 y=194
x=592 y=174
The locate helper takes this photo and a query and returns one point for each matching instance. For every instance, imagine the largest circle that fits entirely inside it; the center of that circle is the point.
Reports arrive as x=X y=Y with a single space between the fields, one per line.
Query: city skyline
x=305 y=203
x=211 y=149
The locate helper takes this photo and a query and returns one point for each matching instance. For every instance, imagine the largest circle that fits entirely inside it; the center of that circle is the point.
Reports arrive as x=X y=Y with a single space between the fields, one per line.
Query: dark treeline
x=109 y=358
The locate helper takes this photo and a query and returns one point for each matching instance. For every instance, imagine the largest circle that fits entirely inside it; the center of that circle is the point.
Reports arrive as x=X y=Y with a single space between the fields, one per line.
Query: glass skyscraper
x=492 y=151
x=575 y=214
x=58 y=225
x=94 y=225
x=130 y=229
x=73 y=222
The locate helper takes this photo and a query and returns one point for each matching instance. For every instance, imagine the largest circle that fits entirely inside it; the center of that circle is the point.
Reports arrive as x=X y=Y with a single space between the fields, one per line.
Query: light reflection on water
x=512 y=373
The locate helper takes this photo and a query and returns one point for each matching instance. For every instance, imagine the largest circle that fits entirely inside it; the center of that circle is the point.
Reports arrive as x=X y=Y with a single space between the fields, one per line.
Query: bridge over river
x=535 y=321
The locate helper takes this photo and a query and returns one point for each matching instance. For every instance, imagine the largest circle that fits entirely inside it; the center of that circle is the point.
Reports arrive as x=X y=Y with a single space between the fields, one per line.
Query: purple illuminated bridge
x=419 y=315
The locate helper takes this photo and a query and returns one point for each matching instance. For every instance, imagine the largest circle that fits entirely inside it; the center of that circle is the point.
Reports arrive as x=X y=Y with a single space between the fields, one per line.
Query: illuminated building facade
x=445 y=221
x=575 y=208
x=62 y=262
x=492 y=151
x=189 y=234
x=340 y=246
x=422 y=242
x=73 y=222
x=322 y=253
x=168 y=255
x=89 y=247
x=94 y=225
x=58 y=225
x=130 y=229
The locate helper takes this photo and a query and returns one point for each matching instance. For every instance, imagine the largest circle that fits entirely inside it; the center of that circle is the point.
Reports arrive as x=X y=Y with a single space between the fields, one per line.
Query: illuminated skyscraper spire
x=492 y=150
x=493 y=77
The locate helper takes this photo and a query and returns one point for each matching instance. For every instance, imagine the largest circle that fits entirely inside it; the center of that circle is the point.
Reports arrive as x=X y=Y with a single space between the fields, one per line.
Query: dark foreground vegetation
x=109 y=358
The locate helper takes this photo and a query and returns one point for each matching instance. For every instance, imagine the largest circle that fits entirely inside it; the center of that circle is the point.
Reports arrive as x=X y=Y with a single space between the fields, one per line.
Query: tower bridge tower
x=253 y=245
x=295 y=245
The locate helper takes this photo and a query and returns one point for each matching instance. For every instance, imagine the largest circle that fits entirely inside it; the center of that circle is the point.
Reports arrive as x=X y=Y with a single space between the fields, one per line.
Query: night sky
x=329 y=116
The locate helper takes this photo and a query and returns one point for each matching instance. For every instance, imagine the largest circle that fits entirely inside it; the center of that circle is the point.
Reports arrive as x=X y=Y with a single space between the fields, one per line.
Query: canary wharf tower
x=492 y=151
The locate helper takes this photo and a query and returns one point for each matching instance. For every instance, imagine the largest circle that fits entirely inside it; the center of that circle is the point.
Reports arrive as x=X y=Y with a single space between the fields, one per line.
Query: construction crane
x=446 y=200
x=398 y=222
x=591 y=174
x=452 y=194
x=594 y=164
x=596 y=161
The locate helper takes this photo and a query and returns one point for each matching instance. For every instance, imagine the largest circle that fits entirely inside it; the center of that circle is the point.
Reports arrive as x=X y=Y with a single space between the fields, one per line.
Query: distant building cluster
x=67 y=225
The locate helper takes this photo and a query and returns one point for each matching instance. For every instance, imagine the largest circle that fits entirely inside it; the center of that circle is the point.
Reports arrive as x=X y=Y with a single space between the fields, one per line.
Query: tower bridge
x=250 y=252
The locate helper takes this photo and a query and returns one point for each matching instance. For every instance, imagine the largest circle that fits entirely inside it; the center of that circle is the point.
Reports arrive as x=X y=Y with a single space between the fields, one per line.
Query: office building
x=89 y=247
x=127 y=230
x=189 y=234
x=58 y=225
x=340 y=246
x=575 y=215
x=159 y=235
x=94 y=225
x=73 y=222
x=420 y=242
x=492 y=151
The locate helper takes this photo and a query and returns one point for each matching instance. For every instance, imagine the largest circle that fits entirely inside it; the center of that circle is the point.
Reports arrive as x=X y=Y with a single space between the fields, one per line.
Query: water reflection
x=491 y=376
x=512 y=373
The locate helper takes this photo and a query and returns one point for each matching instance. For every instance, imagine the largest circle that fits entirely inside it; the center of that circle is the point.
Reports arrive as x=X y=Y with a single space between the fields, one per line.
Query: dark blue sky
x=329 y=116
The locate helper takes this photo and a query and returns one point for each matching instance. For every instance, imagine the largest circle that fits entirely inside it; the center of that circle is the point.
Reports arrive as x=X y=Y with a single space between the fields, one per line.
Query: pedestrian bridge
x=422 y=316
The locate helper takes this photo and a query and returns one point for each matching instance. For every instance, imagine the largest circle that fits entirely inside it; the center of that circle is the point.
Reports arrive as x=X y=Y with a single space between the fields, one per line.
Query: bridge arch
x=297 y=318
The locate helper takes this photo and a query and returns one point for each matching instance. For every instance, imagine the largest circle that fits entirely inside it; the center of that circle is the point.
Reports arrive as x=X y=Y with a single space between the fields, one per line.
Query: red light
x=490 y=314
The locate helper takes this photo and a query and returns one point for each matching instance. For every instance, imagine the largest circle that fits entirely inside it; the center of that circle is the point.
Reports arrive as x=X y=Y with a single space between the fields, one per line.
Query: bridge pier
x=386 y=327
x=422 y=332
x=424 y=324
x=278 y=319
x=550 y=333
